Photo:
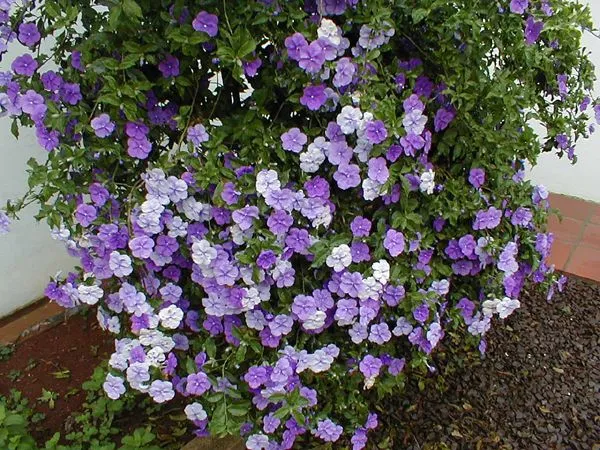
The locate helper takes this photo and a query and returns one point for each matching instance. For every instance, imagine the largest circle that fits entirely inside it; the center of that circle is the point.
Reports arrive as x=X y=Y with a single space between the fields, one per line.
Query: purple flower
x=197 y=383
x=347 y=176
x=281 y=325
x=339 y=153
x=29 y=34
x=394 y=242
x=4 y=223
x=294 y=44
x=443 y=117
x=279 y=222
x=102 y=125
x=207 y=23
x=563 y=88
x=139 y=148
x=304 y=306
x=311 y=57
x=169 y=67
x=376 y=132
x=360 y=226
x=317 y=187
x=266 y=259
x=70 y=93
x=533 y=30
x=85 y=214
x=282 y=199
x=251 y=67
x=314 y=97
x=519 y=6
x=360 y=252
x=477 y=177
x=293 y=140
x=421 y=313
x=256 y=376
x=298 y=240
x=521 y=217
x=489 y=219
x=378 y=170
x=24 y=65
x=32 y=102
x=370 y=366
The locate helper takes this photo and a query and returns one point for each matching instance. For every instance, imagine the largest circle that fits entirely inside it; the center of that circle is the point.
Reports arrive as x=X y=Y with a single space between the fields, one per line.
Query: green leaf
x=132 y=9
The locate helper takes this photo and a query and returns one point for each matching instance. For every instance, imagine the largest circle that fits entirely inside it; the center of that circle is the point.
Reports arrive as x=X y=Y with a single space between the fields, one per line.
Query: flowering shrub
x=284 y=208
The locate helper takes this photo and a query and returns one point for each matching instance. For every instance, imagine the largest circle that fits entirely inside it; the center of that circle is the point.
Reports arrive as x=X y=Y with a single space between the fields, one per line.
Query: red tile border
x=571 y=207
x=585 y=263
x=568 y=230
x=561 y=252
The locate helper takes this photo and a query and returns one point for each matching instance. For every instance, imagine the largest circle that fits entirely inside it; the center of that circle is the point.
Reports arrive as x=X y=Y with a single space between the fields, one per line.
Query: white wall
x=28 y=256
x=582 y=179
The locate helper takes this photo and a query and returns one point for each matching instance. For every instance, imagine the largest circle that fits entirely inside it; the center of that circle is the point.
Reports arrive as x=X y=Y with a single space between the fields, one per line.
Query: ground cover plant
x=284 y=209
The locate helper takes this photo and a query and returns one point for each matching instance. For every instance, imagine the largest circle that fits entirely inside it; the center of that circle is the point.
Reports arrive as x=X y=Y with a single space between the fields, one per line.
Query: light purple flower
x=477 y=177
x=197 y=135
x=141 y=247
x=281 y=325
x=245 y=216
x=380 y=333
x=344 y=72
x=4 y=223
x=161 y=391
x=85 y=214
x=113 y=386
x=370 y=366
x=360 y=227
x=378 y=170
x=394 y=242
x=197 y=384
x=295 y=44
x=207 y=23
x=347 y=176
x=351 y=283
x=519 y=6
x=293 y=140
x=102 y=125
x=120 y=264
x=328 y=430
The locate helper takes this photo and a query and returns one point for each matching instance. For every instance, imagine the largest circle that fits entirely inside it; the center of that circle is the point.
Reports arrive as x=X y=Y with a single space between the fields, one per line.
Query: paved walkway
x=576 y=251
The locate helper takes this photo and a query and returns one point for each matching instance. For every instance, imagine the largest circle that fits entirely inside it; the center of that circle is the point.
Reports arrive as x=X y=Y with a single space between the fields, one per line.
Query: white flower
x=371 y=189
x=89 y=295
x=371 y=289
x=349 y=119
x=319 y=361
x=149 y=338
x=381 y=271
x=507 y=306
x=427 y=183
x=152 y=207
x=328 y=30
x=340 y=258
x=316 y=321
x=194 y=210
x=257 y=442
x=60 y=234
x=489 y=307
x=311 y=160
x=251 y=299
x=203 y=253
x=267 y=180
x=195 y=411
x=170 y=317
x=256 y=320
x=155 y=356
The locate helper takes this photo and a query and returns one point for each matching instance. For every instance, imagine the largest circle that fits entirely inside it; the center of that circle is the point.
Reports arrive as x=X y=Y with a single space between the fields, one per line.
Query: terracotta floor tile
x=585 y=262
x=567 y=230
x=572 y=207
x=591 y=236
x=560 y=254
x=595 y=217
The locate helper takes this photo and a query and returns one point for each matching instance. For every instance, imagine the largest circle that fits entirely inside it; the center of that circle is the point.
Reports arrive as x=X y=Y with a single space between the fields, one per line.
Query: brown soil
x=538 y=387
x=59 y=360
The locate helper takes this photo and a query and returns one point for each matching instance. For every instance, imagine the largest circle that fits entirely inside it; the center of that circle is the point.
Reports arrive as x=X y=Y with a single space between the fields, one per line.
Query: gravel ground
x=537 y=388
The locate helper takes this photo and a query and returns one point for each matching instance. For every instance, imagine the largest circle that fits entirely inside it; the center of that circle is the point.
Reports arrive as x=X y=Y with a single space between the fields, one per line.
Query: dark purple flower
x=294 y=44
x=207 y=23
x=314 y=97
x=24 y=65
x=360 y=227
x=29 y=34
x=169 y=67
x=251 y=67
x=376 y=132
x=443 y=117
x=70 y=93
x=519 y=6
x=312 y=57
x=533 y=30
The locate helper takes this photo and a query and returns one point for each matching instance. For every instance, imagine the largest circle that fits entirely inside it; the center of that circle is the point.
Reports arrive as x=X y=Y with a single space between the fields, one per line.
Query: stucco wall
x=581 y=180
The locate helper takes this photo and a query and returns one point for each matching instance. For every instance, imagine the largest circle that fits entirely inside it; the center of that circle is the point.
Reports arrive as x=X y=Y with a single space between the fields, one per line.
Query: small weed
x=6 y=351
x=62 y=374
x=48 y=397
x=14 y=375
